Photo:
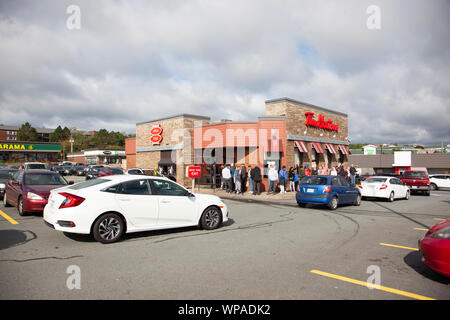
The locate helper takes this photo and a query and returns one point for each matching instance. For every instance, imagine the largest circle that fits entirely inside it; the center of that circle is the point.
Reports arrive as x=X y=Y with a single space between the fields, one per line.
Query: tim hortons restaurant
x=291 y=133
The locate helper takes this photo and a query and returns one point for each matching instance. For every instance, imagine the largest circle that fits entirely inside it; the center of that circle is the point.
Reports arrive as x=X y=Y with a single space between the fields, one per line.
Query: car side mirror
x=191 y=195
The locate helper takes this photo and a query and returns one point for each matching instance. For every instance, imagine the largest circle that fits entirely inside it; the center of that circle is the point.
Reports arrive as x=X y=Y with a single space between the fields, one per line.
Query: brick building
x=291 y=133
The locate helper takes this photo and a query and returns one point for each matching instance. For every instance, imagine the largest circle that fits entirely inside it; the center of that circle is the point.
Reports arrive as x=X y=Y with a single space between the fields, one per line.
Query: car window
x=116 y=171
x=138 y=187
x=88 y=183
x=168 y=188
x=415 y=174
x=344 y=182
x=4 y=174
x=44 y=179
x=113 y=189
x=335 y=182
x=373 y=179
x=35 y=166
x=314 y=181
x=133 y=171
x=393 y=181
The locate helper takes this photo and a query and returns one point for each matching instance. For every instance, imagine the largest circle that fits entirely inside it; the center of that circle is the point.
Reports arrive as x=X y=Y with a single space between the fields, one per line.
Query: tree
x=27 y=133
x=57 y=135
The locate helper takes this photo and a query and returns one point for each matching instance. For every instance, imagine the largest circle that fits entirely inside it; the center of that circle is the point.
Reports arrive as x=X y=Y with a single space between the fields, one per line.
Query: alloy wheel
x=109 y=228
x=212 y=218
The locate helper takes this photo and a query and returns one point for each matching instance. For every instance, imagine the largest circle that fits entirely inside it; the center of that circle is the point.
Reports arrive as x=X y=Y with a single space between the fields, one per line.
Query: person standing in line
x=333 y=171
x=307 y=172
x=283 y=178
x=296 y=180
x=232 y=170
x=256 y=178
x=226 y=174
x=273 y=179
x=291 y=179
x=352 y=174
x=237 y=180
x=250 y=182
x=243 y=179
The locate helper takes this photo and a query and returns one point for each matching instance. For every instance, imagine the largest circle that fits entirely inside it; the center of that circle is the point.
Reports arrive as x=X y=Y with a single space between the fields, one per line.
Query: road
x=265 y=251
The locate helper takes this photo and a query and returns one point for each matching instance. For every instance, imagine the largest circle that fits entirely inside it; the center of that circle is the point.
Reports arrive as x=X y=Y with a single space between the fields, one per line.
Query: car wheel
x=427 y=193
x=358 y=200
x=333 y=204
x=391 y=197
x=301 y=204
x=108 y=228
x=408 y=194
x=20 y=207
x=211 y=218
x=5 y=201
x=433 y=186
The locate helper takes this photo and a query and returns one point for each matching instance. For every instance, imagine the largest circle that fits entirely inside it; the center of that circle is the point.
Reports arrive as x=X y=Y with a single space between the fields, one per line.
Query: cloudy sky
x=133 y=61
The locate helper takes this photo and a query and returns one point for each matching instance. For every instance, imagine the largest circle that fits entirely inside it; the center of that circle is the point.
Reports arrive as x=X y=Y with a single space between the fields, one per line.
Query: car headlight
x=34 y=196
x=441 y=234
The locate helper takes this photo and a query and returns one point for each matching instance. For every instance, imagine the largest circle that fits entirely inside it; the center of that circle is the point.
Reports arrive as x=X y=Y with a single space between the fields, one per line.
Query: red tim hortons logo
x=156 y=132
x=320 y=122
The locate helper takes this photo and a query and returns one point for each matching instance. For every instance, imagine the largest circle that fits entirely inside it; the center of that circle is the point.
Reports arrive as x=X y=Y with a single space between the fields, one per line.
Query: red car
x=417 y=181
x=108 y=171
x=28 y=190
x=435 y=248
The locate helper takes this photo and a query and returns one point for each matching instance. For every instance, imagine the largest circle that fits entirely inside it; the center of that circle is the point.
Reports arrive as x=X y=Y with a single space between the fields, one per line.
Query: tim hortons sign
x=156 y=132
x=320 y=122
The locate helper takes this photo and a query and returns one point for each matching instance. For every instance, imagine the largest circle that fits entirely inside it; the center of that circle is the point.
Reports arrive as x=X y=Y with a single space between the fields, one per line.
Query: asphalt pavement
x=265 y=251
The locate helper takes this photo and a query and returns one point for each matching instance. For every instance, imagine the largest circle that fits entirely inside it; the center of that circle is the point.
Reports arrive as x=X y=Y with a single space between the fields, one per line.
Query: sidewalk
x=264 y=196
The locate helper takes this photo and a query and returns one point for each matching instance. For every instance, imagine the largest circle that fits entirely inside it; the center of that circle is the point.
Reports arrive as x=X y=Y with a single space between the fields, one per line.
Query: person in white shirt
x=273 y=179
x=226 y=175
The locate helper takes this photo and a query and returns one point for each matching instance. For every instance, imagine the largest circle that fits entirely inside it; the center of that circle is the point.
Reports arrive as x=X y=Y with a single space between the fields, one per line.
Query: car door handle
x=165 y=201
x=124 y=199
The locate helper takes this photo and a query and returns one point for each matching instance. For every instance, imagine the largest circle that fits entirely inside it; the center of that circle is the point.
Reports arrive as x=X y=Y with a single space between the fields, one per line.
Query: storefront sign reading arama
x=156 y=131
x=28 y=147
x=320 y=123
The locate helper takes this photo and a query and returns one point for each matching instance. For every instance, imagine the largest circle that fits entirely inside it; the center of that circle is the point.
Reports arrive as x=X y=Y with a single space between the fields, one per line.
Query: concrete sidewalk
x=264 y=196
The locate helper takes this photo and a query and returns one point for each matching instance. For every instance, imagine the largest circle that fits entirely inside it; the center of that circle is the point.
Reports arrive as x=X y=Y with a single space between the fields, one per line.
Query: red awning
x=318 y=147
x=330 y=147
x=348 y=150
x=342 y=148
x=301 y=146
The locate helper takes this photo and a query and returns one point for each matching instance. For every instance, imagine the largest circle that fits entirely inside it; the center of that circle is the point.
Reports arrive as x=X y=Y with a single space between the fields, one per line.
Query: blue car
x=327 y=190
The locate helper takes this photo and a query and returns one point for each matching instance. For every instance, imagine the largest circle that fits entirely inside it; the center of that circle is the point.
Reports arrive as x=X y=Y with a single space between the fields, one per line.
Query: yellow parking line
x=8 y=217
x=401 y=247
x=374 y=286
x=421 y=229
x=439 y=219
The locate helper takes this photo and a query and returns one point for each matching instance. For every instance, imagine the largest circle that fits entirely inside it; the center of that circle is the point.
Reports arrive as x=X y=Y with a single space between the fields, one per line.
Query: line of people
x=239 y=179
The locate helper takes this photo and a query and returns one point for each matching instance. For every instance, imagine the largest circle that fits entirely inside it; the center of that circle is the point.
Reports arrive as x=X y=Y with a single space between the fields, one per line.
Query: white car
x=110 y=206
x=34 y=165
x=439 y=181
x=384 y=187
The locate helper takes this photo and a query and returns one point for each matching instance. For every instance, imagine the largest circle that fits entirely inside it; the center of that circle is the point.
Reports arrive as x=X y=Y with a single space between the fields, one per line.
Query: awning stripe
x=300 y=145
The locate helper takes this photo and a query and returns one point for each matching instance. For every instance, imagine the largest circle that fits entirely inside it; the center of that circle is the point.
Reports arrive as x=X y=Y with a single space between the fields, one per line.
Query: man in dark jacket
x=243 y=178
x=256 y=179
x=352 y=174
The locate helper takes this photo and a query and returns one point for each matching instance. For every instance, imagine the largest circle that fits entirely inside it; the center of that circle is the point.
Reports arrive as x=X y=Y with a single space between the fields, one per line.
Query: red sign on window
x=194 y=172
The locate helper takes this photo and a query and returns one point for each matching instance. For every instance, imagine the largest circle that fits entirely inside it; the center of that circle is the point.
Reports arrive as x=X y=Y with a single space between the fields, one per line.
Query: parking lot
x=265 y=251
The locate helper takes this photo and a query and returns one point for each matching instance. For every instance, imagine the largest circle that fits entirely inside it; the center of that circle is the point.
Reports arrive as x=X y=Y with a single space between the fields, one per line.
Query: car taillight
x=327 y=189
x=383 y=186
x=71 y=200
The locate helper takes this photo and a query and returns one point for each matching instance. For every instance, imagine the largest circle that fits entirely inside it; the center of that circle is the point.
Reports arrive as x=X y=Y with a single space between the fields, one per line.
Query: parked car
x=34 y=165
x=417 y=181
x=327 y=190
x=108 y=208
x=150 y=172
x=435 y=248
x=29 y=190
x=78 y=170
x=439 y=181
x=59 y=169
x=109 y=171
x=384 y=187
x=92 y=171
x=5 y=175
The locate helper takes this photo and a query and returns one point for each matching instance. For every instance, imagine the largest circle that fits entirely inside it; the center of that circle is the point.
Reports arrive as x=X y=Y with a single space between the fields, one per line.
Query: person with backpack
x=283 y=178
x=296 y=179
x=237 y=180
x=273 y=179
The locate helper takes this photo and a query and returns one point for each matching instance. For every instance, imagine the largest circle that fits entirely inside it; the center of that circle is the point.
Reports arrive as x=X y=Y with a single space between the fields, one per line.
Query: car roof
x=387 y=177
x=125 y=177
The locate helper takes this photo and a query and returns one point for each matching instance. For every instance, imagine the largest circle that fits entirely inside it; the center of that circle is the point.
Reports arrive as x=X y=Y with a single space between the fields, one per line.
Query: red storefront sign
x=194 y=172
x=320 y=123
x=156 y=131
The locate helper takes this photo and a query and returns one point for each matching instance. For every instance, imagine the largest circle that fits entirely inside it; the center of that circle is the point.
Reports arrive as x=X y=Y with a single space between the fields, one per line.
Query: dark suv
x=417 y=181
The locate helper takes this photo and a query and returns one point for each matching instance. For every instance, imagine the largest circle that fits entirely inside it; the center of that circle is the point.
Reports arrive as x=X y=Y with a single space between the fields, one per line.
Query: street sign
x=194 y=172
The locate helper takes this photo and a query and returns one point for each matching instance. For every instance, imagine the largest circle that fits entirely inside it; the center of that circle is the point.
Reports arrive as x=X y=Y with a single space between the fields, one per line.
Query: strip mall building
x=291 y=133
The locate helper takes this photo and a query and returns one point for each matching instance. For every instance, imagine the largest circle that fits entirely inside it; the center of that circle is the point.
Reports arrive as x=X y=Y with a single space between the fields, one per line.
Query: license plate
x=310 y=190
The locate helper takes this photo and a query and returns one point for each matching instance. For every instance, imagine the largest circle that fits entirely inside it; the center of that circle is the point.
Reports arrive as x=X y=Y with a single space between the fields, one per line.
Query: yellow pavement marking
x=439 y=219
x=401 y=247
x=371 y=285
x=8 y=217
x=421 y=229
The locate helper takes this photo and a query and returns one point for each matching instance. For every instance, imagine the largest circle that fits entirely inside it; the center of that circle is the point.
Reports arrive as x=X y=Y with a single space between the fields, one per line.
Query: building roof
x=285 y=99
x=181 y=115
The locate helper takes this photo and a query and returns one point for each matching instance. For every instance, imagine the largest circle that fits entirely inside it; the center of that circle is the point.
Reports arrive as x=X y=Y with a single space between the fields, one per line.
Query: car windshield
x=79 y=168
x=44 y=179
x=415 y=174
x=315 y=181
x=4 y=174
x=36 y=166
x=88 y=183
x=374 y=180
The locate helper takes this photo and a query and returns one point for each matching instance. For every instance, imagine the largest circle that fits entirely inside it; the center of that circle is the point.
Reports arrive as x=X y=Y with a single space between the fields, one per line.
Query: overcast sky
x=133 y=61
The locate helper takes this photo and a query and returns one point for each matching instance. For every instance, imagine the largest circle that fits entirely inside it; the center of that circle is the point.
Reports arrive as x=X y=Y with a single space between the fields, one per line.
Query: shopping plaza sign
x=28 y=147
x=320 y=122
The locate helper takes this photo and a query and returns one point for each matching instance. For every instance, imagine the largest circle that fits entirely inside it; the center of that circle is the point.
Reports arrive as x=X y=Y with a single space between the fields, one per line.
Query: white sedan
x=439 y=181
x=384 y=187
x=110 y=206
